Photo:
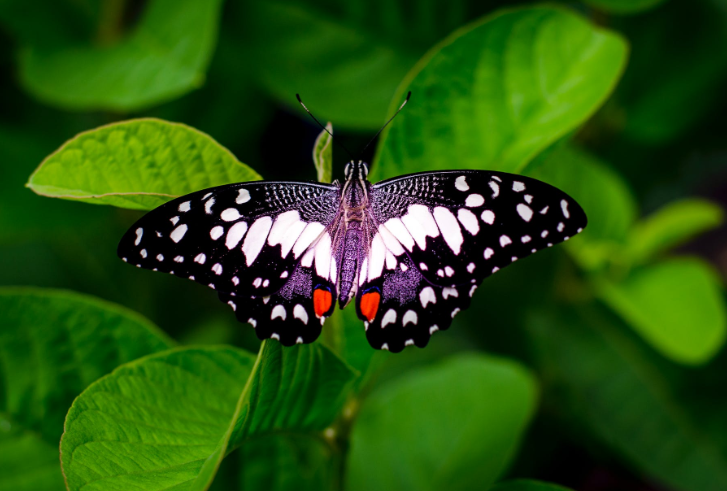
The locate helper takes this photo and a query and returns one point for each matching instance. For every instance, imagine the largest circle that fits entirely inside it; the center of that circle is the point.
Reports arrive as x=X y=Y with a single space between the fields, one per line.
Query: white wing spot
x=206 y=196
x=474 y=200
x=528 y=199
x=544 y=234
x=266 y=283
x=174 y=220
x=505 y=240
x=139 y=233
x=472 y=290
x=449 y=292
x=389 y=318
x=433 y=329
x=255 y=239
x=488 y=217
x=525 y=212
x=179 y=259
x=497 y=178
x=561 y=226
x=217 y=268
x=299 y=339
x=243 y=196
x=410 y=317
x=470 y=267
x=455 y=312
x=257 y=282
x=426 y=296
x=448 y=271
x=232 y=304
x=525 y=239
x=216 y=232
x=564 y=207
x=252 y=322
x=461 y=184
x=449 y=226
x=178 y=233
x=440 y=272
x=544 y=211
x=495 y=189
x=230 y=214
x=385 y=346
x=423 y=267
x=160 y=257
x=143 y=253
x=580 y=229
x=495 y=269
x=513 y=259
x=208 y=206
x=284 y=274
x=184 y=207
x=299 y=312
x=278 y=311
x=518 y=186
x=468 y=221
x=200 y=258
x=275 y=335
x=409 y=342
x=488 y=253
x=403 y=266
x=235 y=280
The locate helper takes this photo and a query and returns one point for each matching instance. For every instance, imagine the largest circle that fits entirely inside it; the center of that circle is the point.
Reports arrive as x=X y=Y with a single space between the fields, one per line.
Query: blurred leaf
x=49 y=22
x=323 y=155
x=451 y=426
x=603 y=194
x=345 y=58
x=285 y=462
x=677 y=306
x=605 y=380
x=672 y=225
x=52 y=345
x=624 y=6
x=169 y=419
x=673 y=81
x=164 y=57
x=497 y=92
x=138 y=164
x=526 y=485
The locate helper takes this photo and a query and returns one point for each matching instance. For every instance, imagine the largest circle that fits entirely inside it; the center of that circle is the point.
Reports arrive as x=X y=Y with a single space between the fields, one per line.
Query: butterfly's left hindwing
x=454 y=229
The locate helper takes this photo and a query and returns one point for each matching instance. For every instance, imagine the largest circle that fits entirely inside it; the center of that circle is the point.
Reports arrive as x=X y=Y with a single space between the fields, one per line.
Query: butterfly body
x=410 y=251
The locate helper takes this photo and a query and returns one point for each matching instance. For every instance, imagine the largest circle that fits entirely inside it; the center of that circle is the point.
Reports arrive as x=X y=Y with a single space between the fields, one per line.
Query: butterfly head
x=356 y=170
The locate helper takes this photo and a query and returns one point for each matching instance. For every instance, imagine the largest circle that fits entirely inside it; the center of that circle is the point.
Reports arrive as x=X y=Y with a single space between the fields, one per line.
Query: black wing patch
x=440 y=234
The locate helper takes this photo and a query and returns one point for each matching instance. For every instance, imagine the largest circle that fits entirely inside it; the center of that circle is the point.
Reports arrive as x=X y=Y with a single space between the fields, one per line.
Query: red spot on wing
x=322 y=301
x=370 y=305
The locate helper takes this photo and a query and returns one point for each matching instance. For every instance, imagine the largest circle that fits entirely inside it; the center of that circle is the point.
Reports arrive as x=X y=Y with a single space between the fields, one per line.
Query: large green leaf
x=451 y=426
x=164 y=57
x=676 y=305
x=605 y=380
x=495 y=93
x=345 y=58
x=526 y=485
x=52 y=345
x=671 y=226
x=167 y=421
x=138 y=164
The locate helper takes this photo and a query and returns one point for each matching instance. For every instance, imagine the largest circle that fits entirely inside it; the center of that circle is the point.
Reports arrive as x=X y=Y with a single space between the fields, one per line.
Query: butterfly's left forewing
x=437 y=235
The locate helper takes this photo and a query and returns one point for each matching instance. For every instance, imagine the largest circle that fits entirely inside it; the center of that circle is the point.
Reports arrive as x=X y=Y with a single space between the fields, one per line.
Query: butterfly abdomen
x=350 y=260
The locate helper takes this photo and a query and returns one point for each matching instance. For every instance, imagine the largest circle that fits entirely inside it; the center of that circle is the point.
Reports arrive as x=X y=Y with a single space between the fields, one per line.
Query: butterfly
x=410 y=251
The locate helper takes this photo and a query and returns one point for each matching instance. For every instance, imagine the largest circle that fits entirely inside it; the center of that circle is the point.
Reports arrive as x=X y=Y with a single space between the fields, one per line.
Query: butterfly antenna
x=321 y=125
x=387 y=123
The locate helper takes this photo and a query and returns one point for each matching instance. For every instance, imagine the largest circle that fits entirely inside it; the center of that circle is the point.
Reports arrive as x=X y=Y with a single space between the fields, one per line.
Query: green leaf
x=345 y=58
x=677 y=306
x=624 y=6
x=527 y=485
x=606 y=382
x=164 y=57
x=53 y=344
x=138 y=164
x=323 y=155
x=167 y=421
x=451 y=426
x=497 y=92
x=672 y=225
x=609 y=204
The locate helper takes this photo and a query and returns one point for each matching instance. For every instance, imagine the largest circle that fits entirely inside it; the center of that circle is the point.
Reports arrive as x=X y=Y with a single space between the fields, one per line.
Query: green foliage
x=676 y=305
x=466 y=439
x=622 y=328
x=169 y=419
x=52 y=345
x=323 y=155
x=163 y=57
x=138 y=164
x=481 y=102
